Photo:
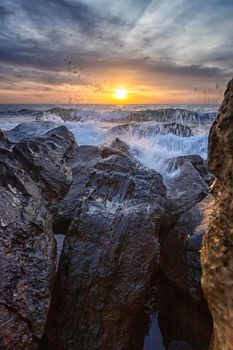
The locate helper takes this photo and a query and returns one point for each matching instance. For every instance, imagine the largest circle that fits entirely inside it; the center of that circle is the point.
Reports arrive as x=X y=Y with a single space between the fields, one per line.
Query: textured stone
x=217 y=250
x=109 y=256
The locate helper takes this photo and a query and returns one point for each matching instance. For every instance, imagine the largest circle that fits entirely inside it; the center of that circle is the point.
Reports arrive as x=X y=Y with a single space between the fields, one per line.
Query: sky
x=72 y=51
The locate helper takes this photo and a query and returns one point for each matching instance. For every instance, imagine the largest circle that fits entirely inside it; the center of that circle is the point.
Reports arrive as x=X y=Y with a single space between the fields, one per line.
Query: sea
x=97 y=124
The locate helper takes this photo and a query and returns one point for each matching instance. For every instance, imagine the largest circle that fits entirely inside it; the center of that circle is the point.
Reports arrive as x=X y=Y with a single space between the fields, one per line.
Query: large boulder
x=29 y=129
x=180 y=250
x=109 y=257
x=27 y=258
x=173 y=164
x=185 y=189
x=81 y=164
x=27 y=245
x=217 y=250
x=47 y=155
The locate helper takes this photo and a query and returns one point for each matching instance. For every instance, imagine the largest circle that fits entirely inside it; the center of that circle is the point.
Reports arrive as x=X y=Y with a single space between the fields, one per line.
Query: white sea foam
x=90 y=125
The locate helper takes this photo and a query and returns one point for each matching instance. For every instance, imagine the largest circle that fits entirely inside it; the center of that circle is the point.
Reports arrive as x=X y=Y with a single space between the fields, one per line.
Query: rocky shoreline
x=131 y=238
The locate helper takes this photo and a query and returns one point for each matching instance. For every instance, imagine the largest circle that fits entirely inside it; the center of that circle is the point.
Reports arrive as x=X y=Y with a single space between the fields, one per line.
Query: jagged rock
x=185 y=189
x=166 y=114
x=81 y=163
x=217 y=250
x=27 y=258
x=172 y=164
x=53 y=149
x=109 y=256
x=180 y=250
x=148 y=130
x=116 y=147
x=29 y=129
x=27 y=245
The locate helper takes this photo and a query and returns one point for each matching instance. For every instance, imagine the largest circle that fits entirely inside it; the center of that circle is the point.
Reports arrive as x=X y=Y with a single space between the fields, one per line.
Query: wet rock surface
x=217 y=250
x=29 y=129
x=148 y=130
x=109 y=256
x=46 y=156
x=180 y=249
x=27 y=245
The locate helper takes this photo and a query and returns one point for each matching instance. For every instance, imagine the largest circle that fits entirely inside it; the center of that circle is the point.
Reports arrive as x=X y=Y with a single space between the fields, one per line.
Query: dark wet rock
x=2 y=135
x=81 y=164
x=46 y=156
x=179 y=345
x=109 y=256
x=66 y=114
x=116 y=147
x=29 y=130
x=27 y=257
x=168 y=114
x=217 y=250
x=148 y=130
x=186 y=189
x=173 y=164
x=180 y=250
x=180 y=317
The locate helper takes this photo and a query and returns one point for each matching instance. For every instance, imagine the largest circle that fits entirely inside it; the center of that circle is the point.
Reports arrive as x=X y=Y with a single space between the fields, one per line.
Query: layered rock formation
x=217 y=251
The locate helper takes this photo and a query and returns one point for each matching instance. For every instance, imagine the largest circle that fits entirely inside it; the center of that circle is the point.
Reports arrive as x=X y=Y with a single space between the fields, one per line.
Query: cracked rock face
x=109 y=257
x=217 y=250
x=27 y=245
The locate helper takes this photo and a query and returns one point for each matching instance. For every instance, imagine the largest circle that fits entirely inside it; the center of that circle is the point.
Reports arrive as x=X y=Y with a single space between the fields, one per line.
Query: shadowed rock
x=27 y=246
x=217 y=250
x=180 y=250
x=109 y=257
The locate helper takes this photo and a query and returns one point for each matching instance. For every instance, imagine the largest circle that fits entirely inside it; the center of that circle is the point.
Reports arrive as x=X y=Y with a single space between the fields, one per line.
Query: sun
x=120 y=94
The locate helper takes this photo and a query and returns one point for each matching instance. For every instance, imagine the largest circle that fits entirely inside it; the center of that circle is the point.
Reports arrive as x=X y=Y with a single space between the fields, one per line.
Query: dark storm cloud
x=53 y=41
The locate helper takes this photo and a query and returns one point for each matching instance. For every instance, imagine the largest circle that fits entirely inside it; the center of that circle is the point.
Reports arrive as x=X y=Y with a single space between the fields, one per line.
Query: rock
x=167 y=114
x=185 y=189
x=116 y=147
x=30 y=129
x=173 y=164
x=46 y=156
x=109 y=256
x=217 y=250
x=81 y=164
x=66 y=114
x=27 y=257
x=181 y=317
x=149 y=130
x=180 y=250
x=179 y=345
x=2 y=135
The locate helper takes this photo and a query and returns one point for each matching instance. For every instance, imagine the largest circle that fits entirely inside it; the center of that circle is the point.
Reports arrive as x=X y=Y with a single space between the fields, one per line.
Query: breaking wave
x=153 y=135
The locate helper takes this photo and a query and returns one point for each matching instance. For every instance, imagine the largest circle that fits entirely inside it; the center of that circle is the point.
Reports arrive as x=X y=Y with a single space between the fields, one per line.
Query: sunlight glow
x=120 y=94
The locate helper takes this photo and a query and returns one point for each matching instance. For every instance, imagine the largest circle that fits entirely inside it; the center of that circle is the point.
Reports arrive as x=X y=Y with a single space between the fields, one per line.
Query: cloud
x=75 y=42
